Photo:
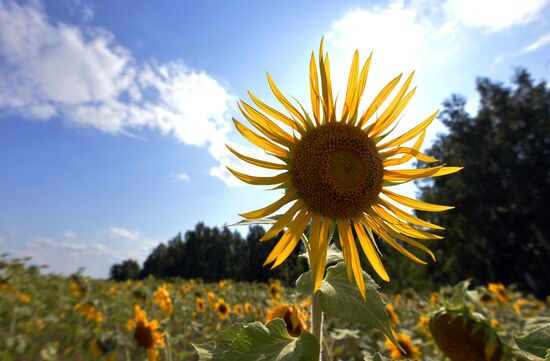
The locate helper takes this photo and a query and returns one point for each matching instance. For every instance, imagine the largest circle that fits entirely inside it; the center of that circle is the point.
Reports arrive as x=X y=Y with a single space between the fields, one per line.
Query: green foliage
x=536 y=342
x=499 y=229
x=127 y=270
x=340 y=298
x=255 y=341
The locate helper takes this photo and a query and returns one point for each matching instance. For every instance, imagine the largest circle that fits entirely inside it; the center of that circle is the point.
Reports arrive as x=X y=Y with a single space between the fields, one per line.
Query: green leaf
x=255 y=341
x=334 y=255
x=340 y=298
x=536 y=342
x=246 y=222
x=458 y=300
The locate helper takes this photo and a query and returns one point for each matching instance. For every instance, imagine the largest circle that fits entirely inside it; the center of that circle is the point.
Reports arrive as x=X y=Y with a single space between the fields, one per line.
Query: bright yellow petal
x=266 y=211
x=260 y=141
x=406 y=216
x=360 y=88
x=386 y=118
x=408 y=174
x=351 y=257
x=314 y=89
x=410 y=134
x=376 y=228
x=289 y=240
x=415 y=203
x=323 y=246
x=283 y=220
x=324 y=68
x=403 y=227
x=257 y=162
x=370 y=251
x=314 y=244
x=379 y=100
x=407 y=156
x=278 y=179
x=265 y=125
x=284 y=101
x=276 y=114
x=352 y=86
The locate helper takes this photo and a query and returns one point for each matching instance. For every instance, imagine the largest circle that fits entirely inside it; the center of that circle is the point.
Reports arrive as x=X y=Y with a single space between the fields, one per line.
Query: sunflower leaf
x=536 y=342
x=334 y=255
x=340 y=298
x=255 y=341
x=246 y=222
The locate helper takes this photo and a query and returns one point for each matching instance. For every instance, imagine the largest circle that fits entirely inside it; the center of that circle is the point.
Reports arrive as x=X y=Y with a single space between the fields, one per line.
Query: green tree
x=499 y=230
x=127 y=270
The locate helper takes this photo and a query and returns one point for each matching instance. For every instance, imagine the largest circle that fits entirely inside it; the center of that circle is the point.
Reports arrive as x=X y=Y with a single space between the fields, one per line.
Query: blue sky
x=114 y=115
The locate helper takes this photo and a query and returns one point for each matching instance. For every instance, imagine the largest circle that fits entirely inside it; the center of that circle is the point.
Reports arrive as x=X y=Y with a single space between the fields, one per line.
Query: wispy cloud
x=183 y=177
x=70 y=235
x=540 y=42
x=83 y=77
x=123 y=234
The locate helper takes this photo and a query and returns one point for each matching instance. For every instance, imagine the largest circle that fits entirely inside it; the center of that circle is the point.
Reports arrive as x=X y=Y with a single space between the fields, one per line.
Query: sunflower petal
x=379 y=100
x=374 y=225
x=284 y=101
x=276 y=114
x=408 y=174
x=279 y=178
x=314 y=243
x=314 y=89
x=406 y=216
x=370 y=251
x=297 y=229
x=273 y=207
x=360 y=88
x=352 y=86
x=415 y=203
x=283 y=221
x=290 y=234
x=265 y=125
x=403 y=227
x=410 y=134
x=257 y=162
x=260 y=141
x=323 y=246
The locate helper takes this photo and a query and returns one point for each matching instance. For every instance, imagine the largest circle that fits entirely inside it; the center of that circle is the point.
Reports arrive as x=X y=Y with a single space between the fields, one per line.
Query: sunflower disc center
x=337 y=170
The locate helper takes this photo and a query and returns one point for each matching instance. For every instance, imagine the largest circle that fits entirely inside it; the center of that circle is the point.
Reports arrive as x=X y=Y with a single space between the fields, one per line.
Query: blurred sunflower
x=163 y=299
x=89 y=310
x=238 y=309
x=247 y=307
x=336 y=170
x=146 y=334
x=222 y=308
x=500 y=292
x=275 y=289
x=394 y=318
x=295 y=317
x=411 y=351
x=201 y=307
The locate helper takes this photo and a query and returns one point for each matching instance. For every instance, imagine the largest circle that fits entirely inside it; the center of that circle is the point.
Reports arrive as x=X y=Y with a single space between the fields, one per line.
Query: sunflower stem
x=317 y=320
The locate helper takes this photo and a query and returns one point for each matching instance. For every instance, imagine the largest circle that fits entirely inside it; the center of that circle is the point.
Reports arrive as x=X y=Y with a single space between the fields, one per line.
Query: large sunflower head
x=336 y=170
x=146 y=333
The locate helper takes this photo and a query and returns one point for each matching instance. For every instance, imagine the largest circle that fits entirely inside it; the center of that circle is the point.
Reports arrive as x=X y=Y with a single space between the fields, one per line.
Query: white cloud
x=540 y=42
x=183 y=177
x=494 y=15
x=83 y=77
x=123 y=234
x=70 y=235
x=78 y=248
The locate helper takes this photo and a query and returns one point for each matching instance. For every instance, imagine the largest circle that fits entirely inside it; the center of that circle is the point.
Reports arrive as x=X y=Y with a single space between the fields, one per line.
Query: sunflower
x=238 y=309
x=335 y=170
x=247 y=307
x=163 y=299
x=295 y=317
x=500 y=292
x=146 y=334
x=222 y=308
x=201 y=307
x=411 y=351
x=394 y=318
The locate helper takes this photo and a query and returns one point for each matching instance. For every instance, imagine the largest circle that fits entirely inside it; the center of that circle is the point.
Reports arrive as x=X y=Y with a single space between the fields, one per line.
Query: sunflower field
x=49 y=317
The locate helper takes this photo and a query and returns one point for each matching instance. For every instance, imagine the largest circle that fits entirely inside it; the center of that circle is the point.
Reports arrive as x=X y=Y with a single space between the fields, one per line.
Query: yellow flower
x=411 y=351
x=335 y=170
x=275 y=289
x=222 y=308
x=24 y=298
x=423 y=325
x=238 y=309
x=394 y=318
x=295 y=317
x=88 y=310
x=500 y=292
x=185 y=287
x=76 y=289
x=211 y=297
x=247 y=307
x=146 y=334
x=201 y=307
x=527 y=308
x=162 y=298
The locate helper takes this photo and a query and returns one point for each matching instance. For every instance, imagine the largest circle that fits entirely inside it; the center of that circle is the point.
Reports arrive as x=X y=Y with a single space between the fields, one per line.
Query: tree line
x=498 y=231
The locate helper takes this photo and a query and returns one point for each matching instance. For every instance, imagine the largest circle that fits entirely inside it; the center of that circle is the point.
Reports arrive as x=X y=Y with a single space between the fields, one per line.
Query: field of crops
x=77 y=318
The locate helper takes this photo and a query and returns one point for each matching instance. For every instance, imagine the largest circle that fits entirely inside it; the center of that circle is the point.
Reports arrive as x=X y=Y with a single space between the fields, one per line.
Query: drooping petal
x=415 y=203
x=370 y=251
x=314 y=244
x=283 y=220
x=406 y=216
x=290 y=239
x=323 y=246
x=403 y=227
x=257 y=162
x=408 y=174
x=266 y=211
x=351 y=258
